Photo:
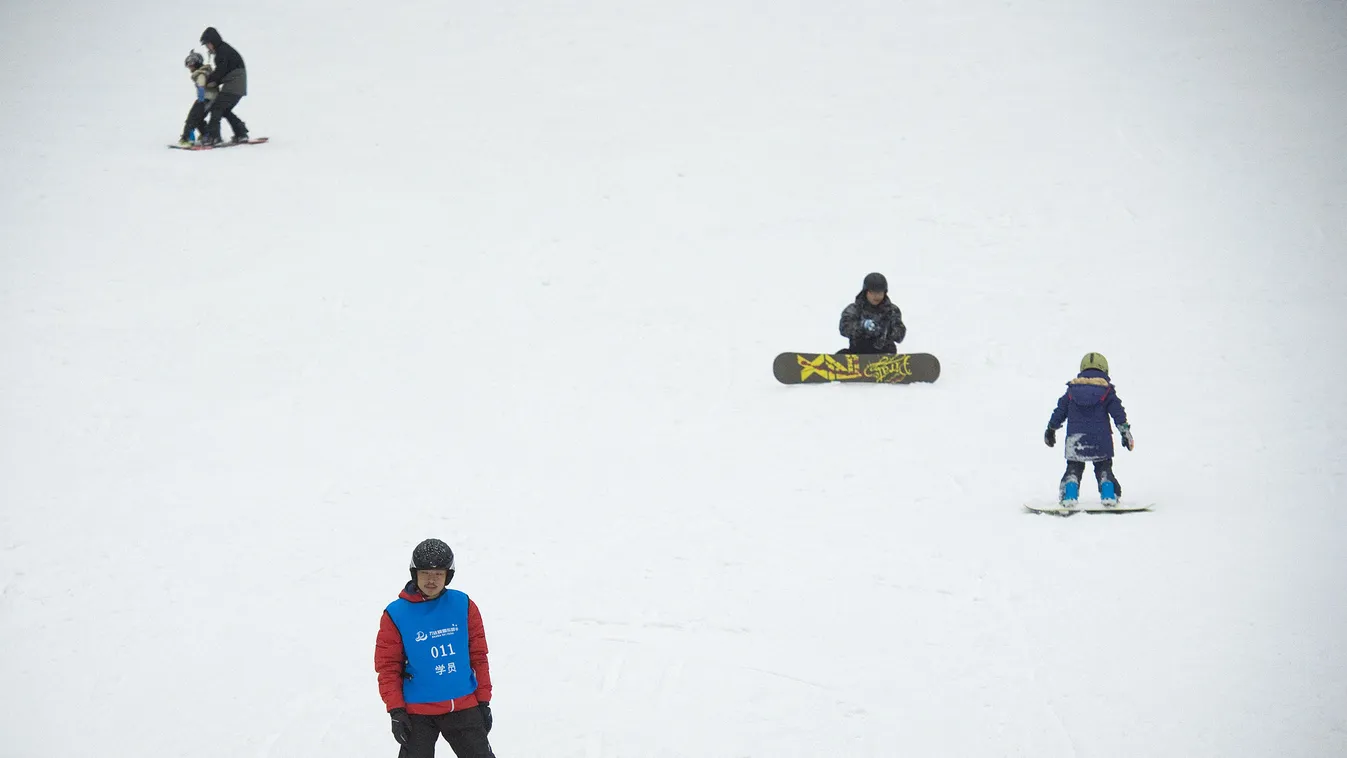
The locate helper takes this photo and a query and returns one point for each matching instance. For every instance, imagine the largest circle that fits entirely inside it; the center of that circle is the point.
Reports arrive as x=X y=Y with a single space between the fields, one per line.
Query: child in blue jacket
x=1089 y=402
x=194 y=128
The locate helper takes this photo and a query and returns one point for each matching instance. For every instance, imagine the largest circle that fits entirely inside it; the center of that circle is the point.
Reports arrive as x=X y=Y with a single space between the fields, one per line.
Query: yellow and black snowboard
x=822 y=368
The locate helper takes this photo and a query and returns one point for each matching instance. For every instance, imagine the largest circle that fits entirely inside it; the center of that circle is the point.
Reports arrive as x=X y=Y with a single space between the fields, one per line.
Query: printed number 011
x=438 y=650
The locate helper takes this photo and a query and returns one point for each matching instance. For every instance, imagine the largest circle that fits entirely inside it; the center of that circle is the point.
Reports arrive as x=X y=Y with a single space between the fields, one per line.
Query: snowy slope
x=512 y=274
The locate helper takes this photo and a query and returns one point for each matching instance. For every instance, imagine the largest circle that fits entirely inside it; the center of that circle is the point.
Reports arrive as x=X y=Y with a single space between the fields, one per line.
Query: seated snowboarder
x=1089 y=401
x=872 y=323
x=195 y=126
x=232 y=79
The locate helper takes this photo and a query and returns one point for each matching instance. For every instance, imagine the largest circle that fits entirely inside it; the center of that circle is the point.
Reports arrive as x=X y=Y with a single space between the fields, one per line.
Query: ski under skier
x=231 y=77
x=194 y=127
x=431 y=657
x=872 y=323
x=1086 y=407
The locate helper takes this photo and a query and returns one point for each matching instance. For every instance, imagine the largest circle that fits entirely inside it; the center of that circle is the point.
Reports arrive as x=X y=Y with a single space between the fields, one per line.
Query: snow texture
x=512 y=274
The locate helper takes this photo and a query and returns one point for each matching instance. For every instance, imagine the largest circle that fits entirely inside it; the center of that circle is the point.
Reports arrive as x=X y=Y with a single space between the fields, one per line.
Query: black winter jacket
x=230 y=73
x=889 y=328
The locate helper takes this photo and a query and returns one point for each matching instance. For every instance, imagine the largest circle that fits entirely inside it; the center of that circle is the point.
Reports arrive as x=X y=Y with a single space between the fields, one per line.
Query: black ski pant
x=196 y=119
x=465 y=731
x=1103 y=472
x=222 y=107
x=864 y=349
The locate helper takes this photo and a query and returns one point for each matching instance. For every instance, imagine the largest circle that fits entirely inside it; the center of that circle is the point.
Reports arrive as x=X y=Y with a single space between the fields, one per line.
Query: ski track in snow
x=1005 y=605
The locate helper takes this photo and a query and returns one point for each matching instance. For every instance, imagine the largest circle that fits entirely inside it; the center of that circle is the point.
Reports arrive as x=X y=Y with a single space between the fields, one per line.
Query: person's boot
x=1107 y=496
x=1070 y=494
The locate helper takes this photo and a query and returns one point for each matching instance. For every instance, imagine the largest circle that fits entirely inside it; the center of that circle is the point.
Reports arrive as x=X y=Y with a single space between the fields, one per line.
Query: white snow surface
x=512 y=274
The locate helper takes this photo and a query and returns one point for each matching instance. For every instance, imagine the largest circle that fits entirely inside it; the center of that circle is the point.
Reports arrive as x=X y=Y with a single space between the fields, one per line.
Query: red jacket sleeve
x=477 y=654
x=389 y=660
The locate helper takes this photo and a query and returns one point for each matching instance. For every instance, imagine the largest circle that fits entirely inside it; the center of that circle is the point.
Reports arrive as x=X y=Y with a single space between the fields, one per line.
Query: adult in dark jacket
x=1090 y=401
x=232 y=79
x=872 y=323
x=431 y=657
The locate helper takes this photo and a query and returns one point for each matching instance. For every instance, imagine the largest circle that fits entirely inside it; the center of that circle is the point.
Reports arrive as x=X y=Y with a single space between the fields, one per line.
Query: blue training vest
x=435 y=641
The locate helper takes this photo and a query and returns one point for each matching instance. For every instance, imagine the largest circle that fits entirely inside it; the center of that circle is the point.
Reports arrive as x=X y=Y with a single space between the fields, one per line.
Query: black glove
x=1050 y=437
x=402 y=725
x=485 y=708
x=1126 y=431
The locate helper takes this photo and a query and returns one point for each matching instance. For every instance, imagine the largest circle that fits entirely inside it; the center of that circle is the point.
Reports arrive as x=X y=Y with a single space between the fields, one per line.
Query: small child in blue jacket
x=1089 y=402
x=195 y=126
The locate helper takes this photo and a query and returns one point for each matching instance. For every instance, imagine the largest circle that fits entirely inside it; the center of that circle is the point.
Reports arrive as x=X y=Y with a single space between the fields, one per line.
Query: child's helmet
x=433 y=554
x=1094 y=361
x=194 y=60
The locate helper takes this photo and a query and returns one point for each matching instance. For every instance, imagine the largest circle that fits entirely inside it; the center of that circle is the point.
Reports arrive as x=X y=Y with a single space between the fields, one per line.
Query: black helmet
x=433 y=554
x=876 y=283
x=194 y=60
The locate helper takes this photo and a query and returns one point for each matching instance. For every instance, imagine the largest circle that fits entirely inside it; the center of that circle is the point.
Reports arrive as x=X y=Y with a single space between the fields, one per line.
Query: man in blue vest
x=431 y=657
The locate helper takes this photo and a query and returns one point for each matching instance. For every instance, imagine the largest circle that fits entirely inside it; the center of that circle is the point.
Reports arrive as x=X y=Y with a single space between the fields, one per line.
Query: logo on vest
x=437 y=633
x=422 y=636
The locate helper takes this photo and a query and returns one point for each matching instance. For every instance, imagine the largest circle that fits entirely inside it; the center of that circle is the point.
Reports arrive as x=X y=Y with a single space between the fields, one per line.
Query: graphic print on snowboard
x=823 y=368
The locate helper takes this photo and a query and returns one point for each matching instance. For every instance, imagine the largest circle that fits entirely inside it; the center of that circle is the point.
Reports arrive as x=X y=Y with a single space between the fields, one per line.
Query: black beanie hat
x=876 y=283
